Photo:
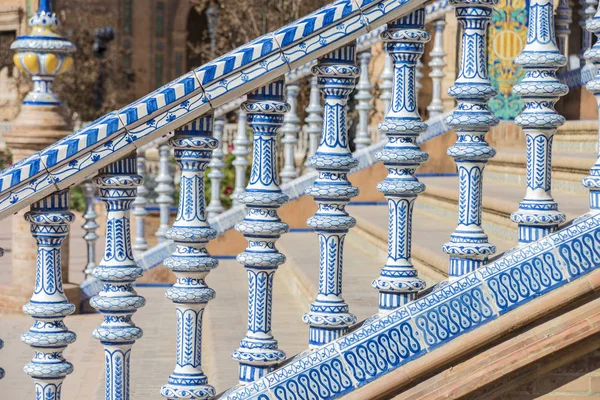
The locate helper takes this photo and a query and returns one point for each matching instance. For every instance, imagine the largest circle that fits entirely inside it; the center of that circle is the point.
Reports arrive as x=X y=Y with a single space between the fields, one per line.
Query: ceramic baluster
x=216 y=174
x=240 y=151
x=49 y=336
x=387 y=84
x=405 y=41
x=540 y=89
x=469 y=247
x=193 y=144
x=118 y=301
x=329 y=316
x=139 y=206
x=258 y=352
x=290 y=130
x=165 y=190
x=314 y=119
x=364 y=106
x=90 y=227
x=437 y=64
x=592 y=182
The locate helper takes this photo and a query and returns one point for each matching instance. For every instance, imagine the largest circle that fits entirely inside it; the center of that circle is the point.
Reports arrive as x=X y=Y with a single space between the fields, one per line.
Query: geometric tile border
x=409 y=332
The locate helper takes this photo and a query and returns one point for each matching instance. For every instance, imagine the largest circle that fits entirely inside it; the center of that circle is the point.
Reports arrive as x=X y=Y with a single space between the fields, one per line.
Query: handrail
x=433 y=11
x=80 y=155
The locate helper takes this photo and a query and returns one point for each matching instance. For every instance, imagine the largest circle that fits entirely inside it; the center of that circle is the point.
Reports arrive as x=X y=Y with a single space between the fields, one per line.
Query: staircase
x=452 y=312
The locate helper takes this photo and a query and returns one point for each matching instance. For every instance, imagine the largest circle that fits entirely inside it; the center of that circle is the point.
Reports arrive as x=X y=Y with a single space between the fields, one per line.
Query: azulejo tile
x=455 y=316
x=377 y=13
x=259 y=62
x=581 y=253
x=78 y=142
x=170 y=118
x=87 y=164
x=326 y=380
x=20 y=172
x=165 y=96
x=26 y=193
x=372 y=355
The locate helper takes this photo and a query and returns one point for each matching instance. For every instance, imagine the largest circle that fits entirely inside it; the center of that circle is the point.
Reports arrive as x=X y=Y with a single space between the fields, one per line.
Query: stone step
x=430 y=232
x=500 y=199
x=577 y=136
x=568 y=169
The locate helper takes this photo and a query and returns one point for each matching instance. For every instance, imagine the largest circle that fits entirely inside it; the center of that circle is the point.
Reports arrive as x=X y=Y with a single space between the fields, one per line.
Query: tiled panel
x=259 y=62
x=378 y=12
x=169 y=119
x=26 y=193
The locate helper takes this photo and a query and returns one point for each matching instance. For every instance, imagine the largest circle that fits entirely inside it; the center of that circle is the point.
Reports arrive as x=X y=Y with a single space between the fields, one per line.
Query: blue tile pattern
x=386 y=343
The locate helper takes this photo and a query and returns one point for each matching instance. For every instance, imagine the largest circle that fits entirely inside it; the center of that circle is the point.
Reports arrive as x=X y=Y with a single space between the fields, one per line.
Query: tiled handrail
x=81 y=154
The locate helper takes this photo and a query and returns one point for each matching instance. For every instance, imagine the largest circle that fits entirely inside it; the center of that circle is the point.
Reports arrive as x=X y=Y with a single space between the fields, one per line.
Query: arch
x=186 y=21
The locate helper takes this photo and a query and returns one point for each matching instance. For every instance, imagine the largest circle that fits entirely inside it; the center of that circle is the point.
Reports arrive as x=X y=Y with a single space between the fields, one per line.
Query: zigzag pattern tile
x=388 y=342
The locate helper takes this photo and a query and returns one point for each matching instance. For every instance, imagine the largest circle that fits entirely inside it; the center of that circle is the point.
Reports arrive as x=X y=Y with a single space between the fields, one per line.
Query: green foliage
x=77 y=198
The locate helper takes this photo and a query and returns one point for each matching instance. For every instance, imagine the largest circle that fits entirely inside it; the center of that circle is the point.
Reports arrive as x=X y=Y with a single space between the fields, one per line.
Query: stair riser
x=377 y=248
x=496 y=224
x=587 y=144
x=562 y=180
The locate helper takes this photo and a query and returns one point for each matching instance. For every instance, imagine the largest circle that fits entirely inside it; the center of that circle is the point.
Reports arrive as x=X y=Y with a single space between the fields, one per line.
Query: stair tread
x=429 y=233
x=504 y=197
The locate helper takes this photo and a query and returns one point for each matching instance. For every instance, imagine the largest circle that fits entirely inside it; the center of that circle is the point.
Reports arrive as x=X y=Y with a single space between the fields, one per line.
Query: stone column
x=43 y=54
x=364 y=105
x=290 y=130
x=314 y=119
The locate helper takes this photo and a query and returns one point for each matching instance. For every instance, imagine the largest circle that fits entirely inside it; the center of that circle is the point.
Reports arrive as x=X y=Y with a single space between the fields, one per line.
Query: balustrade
x=117 y=272
x=538 y=213
x=437 y=64
x=290 y=130
x=563 y=19
x=90 y=226
x=329 y=316
x=364 y=106
x=216 y=174
x=314 y=119
x=165 y=190
x=258 y=352
x=240 y=151
x=586 y=13
x=139 y=205
x=404 y=41
x=193 y=144
x=469 y=247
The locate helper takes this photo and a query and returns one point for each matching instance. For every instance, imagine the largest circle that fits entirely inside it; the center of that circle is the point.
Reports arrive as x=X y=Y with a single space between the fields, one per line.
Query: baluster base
x=250 y=373
x=328 y=322
x=192 y=386
x=592 y=182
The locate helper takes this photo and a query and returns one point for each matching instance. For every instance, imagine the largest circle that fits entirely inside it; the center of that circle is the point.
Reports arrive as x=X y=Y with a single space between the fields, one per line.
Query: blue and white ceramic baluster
x=587 y=8
x=290 y=130
x=387 y=84
x=592 y=182
x=139 y=206
x=405 y=41
x=364 y=106
x=118 y=301
x=258 y=352
x=314 y=118
x=193 y=144
x=49 y=336
x=216 y=175
x=469 y=247
x=165 y=190
x=329 y=316
x=240 y=151
x=538 y=213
